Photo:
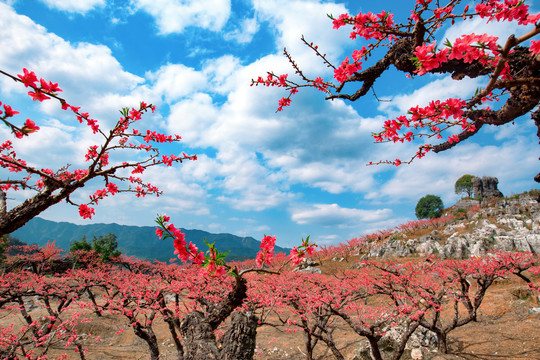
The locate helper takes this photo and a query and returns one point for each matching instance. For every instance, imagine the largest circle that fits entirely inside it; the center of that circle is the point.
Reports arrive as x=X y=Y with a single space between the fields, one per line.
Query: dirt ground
x=506 y=329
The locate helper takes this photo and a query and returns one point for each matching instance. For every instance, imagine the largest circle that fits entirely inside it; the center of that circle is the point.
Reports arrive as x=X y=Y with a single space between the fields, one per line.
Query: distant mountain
x=138 y=241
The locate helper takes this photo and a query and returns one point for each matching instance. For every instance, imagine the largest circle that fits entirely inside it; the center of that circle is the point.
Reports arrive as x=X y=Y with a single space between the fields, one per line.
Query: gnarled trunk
x=199 y=339
x=238 y=343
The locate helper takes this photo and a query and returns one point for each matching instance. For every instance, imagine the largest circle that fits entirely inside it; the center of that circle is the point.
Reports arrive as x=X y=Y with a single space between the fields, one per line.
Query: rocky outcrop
x=506 y=225
x=419 y=340
x=485 y=188
x=466 y=204
x=309 y=266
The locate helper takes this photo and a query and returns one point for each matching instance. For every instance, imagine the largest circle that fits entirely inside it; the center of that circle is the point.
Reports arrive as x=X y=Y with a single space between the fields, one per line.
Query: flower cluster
x=213 y=263
x=267 y=251
x=346 y=69
x=98 y=156
x=468 y=48
x=430 y=117
x=299 y=253
x=368 y=26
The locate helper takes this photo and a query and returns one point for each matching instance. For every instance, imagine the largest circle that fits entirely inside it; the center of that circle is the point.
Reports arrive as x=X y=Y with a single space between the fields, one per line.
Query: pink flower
x=534 y=48
x=138 y=170
x=38 y=95
x=283 y=79
x=30 y=126
x=296 y=256
x=340 y=21
x=267 y=251
x=29 y=78
x=9 y=111
x=86 y=212
x=113 y=189
x=284 y=102
x=453 y=139
x=135 y=114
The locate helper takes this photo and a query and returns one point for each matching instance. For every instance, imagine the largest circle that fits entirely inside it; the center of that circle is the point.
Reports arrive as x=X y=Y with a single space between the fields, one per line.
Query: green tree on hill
x=429 y=207
x=105 y=246
x=464 y=185
x=5 y=242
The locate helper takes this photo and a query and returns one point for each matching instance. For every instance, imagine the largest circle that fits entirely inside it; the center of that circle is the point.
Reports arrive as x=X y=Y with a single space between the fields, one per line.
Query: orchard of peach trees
x=213 y=308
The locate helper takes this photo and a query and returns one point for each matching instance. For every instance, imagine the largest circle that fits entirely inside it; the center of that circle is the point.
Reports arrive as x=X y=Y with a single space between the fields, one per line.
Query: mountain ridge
x=133 y=240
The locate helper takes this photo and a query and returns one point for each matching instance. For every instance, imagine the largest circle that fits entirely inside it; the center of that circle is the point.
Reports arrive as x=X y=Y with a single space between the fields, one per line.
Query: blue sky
x=294 y=173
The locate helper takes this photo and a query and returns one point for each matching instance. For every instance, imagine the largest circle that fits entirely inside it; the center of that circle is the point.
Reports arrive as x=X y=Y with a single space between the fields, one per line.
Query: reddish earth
x=505 y=330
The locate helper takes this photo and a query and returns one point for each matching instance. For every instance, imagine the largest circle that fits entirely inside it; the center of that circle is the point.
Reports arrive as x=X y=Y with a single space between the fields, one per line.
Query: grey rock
x=391 y=248
x=310 y=270
x=486 y=188
x=466 y=204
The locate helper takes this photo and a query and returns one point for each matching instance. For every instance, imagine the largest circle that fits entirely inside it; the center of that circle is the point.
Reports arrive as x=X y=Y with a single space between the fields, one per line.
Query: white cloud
x=439 y=89
x=174 y=81
x=334 y=215
x=173 y=16
x=221 y=73
x=313 y=24
x=82 y=70
x=191 y=124
x=502 y=29
x=437 y=173
x=244 y=34
x=74 y=6
x=246 y=184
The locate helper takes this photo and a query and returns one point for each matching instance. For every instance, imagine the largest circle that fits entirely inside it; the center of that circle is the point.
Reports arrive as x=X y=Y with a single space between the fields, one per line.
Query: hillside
x=501 y=325
x=466 y=229
x=138 y=241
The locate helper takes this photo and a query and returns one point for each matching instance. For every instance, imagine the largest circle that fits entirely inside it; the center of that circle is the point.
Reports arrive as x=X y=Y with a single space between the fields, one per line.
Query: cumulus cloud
x=335 y=215
x=173 y=16
x=175 y=81
x=74 y=6
x=244 y=34
x=437 y=173
x=82 y=69
x=246 y=184
x=313 y=24
x=439 y=89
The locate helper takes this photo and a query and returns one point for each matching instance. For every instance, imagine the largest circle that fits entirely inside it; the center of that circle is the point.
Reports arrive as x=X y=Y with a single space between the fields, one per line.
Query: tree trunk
x=442 y=342
x=374 y=345
x=307 y=343
x=199 y=339
x=149 y=337
x=30 y=208
x=536 y=117
x=239 y=341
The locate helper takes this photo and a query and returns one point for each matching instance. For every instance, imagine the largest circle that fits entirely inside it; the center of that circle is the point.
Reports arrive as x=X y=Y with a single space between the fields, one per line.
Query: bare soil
x=506 y=329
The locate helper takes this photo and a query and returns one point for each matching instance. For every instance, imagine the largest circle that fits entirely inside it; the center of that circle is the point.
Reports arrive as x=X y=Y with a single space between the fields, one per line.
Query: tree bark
x=149 y=336
x=239 y=341
x=199 y=339
x=30 y=208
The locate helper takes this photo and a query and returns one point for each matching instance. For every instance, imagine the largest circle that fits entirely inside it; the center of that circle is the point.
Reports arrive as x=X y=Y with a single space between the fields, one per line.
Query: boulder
x=485 y=188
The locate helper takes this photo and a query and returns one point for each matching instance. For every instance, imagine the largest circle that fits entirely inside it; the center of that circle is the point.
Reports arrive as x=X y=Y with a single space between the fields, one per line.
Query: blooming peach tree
x=508 y=69
x=50 y=187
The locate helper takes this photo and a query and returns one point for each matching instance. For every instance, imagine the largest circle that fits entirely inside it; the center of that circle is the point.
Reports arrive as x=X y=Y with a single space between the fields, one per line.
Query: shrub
x=429 y=207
